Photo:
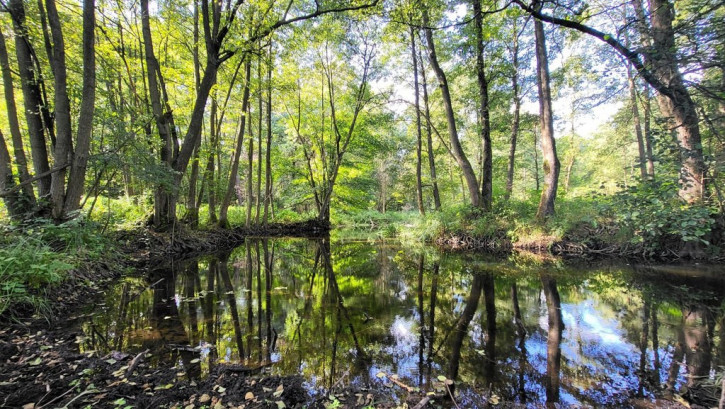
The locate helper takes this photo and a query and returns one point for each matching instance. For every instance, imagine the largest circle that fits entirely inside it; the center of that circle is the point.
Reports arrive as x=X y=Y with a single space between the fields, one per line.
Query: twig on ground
x=422 y=403
x=135 y=361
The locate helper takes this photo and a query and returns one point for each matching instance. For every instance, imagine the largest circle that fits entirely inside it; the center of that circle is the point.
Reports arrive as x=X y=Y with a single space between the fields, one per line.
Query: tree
x=346 y=72
x=484 y=111
x=456 y=149
x=546 y=122
x=37 y=115
x=418 y=133
x=17 y=138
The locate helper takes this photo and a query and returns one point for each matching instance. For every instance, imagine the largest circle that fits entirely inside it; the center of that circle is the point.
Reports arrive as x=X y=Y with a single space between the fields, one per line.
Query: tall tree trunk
x=164 y=200
x=192 y=206
x=678 y=106
x=250 y=170
x=63 y=149
x=648 y=132
x=536 y=161
x=546 y=120
x=77 y=177
x=268 y=151
x=419 y=136
x=32 y=96
x=429 y=138
x=517 y=112
x=260 y=117
x=636 y=119
x=456 y=148
x=231 y=185
x=21 y=162
x=211 y=181
x=483 y=111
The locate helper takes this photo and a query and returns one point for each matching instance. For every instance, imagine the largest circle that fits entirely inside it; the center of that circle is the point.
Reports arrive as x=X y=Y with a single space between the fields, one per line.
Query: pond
x=523 y=329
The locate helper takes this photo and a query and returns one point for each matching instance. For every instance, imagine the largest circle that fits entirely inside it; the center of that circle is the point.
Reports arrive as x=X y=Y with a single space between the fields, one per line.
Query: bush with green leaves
x=34 y=257
x=657 y=218
x=29 y=269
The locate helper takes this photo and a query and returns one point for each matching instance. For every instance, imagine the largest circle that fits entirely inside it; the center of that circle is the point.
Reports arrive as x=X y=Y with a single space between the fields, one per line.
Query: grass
x=37 y=257
x=514 y=220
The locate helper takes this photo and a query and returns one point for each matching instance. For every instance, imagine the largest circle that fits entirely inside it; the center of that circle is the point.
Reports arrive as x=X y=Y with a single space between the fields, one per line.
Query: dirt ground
x=42 y=368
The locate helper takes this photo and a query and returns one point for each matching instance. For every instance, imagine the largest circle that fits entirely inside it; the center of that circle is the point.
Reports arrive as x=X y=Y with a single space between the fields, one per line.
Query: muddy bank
x=581 y=247
x=43 y=368
x=147 y=245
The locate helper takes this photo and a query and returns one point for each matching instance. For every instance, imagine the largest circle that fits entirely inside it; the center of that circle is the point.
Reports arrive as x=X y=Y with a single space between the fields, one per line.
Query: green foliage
x=656 y=218
x=122 y=212
x=28 y=270
x=34 y=258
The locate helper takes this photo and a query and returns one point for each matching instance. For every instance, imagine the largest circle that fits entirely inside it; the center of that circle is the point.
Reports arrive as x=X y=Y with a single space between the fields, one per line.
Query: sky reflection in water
x=356 y=309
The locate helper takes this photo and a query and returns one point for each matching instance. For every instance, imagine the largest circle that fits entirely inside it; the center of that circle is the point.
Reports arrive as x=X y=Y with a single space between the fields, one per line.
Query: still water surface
x=525 y=329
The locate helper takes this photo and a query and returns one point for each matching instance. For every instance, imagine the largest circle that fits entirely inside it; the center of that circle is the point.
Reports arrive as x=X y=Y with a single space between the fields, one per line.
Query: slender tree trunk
x=429 y=138
x=484 y=111
x=546 y=120
x=250 y=170
x=210 y=166
x=77 y=177
x=636 y=119
x=419 y=136
x=192 y=205
x=456 y=148
x=536 y=161
x=63 y=149
x=21 y=162
x=268 y=151
x=648 y=132
x=231 y=185
x=260 y=117
x=32 y=96
x=517 y=113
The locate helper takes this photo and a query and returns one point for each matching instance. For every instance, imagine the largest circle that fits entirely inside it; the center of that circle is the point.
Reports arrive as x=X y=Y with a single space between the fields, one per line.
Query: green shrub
x=656 y=217
x=28 y=270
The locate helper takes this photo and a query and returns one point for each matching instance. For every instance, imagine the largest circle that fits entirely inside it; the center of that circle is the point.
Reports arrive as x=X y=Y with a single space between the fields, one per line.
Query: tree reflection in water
x=553 y=339
x=340 y=314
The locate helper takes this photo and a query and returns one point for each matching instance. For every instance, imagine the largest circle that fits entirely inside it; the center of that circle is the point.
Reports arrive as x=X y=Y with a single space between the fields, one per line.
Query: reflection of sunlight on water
x=404 y=337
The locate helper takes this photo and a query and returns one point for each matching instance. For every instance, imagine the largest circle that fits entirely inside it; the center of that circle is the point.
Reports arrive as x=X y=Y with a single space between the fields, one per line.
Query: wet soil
x=43 y=369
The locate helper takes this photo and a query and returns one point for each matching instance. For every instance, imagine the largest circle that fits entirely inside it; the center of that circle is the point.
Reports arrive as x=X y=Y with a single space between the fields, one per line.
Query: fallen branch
x=135 y=361
x=422 y=403
x=340 y=379
x=401 y=384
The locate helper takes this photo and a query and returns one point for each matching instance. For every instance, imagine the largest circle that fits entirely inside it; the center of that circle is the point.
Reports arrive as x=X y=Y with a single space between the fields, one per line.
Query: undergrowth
x=36 y=257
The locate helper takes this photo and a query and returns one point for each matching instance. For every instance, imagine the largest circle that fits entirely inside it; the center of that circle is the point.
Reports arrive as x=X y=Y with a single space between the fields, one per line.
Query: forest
x=148 y=147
